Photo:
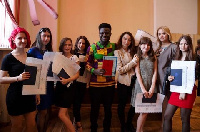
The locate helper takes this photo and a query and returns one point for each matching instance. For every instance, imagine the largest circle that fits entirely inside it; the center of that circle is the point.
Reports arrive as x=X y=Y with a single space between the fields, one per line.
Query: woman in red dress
x=183 y=100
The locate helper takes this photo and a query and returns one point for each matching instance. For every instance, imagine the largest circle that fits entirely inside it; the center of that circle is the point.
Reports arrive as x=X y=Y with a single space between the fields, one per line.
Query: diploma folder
x=177 y=73
x=108 y=66
x=33 y=72
x=63 y=74
x=150 y=100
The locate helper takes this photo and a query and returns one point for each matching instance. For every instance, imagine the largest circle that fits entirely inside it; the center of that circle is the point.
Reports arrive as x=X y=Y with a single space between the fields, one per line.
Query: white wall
x=181 y=16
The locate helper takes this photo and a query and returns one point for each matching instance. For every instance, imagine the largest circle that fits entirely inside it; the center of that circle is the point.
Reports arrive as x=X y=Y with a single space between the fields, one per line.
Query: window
x=6 y=25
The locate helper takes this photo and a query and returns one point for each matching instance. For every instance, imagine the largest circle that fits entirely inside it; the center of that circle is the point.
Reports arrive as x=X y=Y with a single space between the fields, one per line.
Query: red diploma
x=108 y=66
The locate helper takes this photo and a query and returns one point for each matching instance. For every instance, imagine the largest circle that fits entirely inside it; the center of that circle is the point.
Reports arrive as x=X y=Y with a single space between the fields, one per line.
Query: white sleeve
x=75 y=58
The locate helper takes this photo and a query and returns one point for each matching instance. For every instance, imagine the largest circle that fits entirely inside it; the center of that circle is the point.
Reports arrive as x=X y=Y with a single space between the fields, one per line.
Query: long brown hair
x=189 y=55
x=87 y=44
x=38 y=41
x=150 y=53
x=131 y=47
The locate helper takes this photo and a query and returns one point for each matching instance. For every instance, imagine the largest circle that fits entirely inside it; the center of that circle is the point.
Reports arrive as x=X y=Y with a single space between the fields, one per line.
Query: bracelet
x=17 y=79
x=92 y=70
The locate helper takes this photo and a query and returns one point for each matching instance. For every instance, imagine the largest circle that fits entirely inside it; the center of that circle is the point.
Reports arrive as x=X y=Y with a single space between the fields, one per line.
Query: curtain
x=9 y=20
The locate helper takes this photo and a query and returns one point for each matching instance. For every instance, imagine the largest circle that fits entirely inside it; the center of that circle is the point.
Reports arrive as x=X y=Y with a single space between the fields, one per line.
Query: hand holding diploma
x=23 y=76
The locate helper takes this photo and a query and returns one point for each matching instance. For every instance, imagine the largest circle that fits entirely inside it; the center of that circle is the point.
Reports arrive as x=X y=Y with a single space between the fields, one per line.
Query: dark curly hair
x=87 y=44
x=131 y=46
x=105 y=25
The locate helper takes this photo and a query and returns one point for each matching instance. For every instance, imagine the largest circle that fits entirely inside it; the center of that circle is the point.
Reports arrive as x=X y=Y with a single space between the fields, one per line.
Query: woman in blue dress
x=42 y=44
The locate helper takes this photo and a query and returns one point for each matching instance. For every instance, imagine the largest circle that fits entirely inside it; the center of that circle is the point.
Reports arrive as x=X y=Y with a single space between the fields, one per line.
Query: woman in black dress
x=64 y=93
x=19 y=106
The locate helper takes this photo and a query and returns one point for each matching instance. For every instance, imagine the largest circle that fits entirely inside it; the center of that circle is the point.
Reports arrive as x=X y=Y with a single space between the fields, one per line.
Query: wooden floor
x=152 y=124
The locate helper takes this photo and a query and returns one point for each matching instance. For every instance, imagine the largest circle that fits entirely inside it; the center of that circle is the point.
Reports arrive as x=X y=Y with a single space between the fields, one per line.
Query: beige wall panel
x=46 y=20
x=83 y=17
x=179 y=15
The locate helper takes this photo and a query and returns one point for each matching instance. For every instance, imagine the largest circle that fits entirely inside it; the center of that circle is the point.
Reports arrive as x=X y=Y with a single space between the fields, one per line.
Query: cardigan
x=125 y=67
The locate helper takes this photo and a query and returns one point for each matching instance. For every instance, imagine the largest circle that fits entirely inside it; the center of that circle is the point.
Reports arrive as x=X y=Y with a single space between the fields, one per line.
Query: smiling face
x=45 y=37
x=145 y=48
x=104 y=34
x=81 y=45
x=184 y=46
x=126 y=41
x=67 y=47
x=20 y=40
x=163 y=36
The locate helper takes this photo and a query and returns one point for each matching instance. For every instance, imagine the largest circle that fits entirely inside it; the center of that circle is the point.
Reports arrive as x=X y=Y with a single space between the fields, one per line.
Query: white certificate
x=188 y=76
x=40 y=83
x=62 y=62
x=48 y=57
x=141 y=107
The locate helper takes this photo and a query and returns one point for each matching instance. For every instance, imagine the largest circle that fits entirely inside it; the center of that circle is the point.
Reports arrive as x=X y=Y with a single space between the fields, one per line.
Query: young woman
x=42 y=44
x=82 y=82
x=183 y=100
x=165 y=54
x=19 y=106
x=146 y=72
x=64 y=94
x=126 y=61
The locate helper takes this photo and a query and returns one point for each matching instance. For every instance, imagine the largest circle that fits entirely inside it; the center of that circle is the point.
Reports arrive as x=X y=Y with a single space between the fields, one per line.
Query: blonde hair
x=167 y=31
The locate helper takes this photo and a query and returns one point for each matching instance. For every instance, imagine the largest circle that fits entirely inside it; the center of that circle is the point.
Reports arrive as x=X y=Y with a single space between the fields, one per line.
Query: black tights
x=124 y=92
x=185 y=117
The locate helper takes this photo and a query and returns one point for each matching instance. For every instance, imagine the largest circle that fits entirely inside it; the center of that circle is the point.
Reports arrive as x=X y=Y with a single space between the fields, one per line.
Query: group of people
x=36 y=109
x=139 y=69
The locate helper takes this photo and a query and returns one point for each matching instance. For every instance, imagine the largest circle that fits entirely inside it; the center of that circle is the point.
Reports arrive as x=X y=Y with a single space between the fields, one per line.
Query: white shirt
x=86 y=75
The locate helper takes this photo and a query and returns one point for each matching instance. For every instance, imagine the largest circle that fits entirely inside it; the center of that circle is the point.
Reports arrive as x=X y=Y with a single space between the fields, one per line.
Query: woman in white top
x=126 y=61
x=82 y=82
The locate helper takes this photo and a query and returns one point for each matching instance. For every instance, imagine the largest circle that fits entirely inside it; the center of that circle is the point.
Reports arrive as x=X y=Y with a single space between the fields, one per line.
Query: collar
x=102 y=46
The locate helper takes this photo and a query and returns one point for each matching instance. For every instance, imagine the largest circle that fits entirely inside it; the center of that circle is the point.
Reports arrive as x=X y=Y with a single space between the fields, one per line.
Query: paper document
x=39 y=86
x=184 y=73
x=61 y=62
x=146 y=105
